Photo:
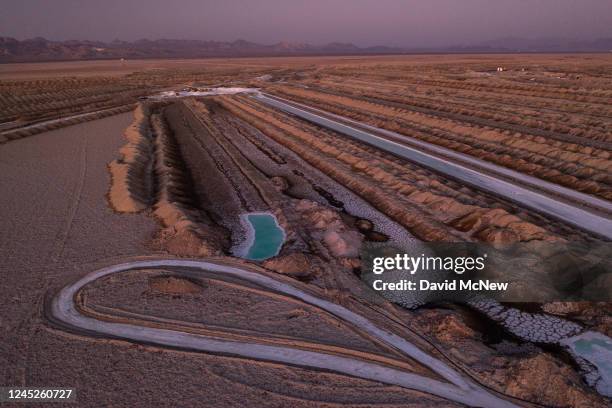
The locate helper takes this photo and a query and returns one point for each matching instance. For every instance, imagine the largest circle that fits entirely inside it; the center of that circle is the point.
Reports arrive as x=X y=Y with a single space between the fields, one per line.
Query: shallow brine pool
x=596 y=349
x=264 y=236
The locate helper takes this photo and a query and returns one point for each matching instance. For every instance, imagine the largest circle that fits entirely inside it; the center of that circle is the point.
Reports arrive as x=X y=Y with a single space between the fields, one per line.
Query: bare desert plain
x=130 y=265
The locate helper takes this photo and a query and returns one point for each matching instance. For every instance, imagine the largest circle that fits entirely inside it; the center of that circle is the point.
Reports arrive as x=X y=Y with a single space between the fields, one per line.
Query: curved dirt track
x=458 y=388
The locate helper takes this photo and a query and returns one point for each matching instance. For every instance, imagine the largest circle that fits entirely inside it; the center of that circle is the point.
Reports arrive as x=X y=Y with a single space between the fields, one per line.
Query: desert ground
x=126 y=269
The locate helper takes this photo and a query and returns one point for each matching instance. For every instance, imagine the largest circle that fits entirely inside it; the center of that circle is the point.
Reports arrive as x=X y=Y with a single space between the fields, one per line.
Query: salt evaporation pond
x=596 y=349
x=265 y=236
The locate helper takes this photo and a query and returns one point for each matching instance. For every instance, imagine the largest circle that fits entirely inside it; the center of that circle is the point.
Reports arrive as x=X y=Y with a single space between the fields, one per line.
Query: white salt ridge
x=207 y=92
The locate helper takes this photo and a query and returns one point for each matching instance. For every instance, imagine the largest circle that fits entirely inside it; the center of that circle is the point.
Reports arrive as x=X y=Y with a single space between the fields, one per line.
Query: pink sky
x=363 y=22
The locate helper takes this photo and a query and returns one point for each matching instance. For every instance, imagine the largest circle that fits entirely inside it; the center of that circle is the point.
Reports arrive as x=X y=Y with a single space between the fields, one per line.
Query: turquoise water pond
x=596 y=348
x=266 y=237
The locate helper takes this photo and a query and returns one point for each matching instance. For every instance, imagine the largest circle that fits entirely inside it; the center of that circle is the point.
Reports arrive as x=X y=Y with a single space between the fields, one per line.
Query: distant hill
x=512 y=44
x=40 y=49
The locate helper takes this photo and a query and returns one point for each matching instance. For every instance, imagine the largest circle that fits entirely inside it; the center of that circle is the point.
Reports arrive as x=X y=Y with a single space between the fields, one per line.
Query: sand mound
x=150 y=174
x=132 y=185
x=174 y=285
x=342 y=241
x=297 y=265
x=552 y=382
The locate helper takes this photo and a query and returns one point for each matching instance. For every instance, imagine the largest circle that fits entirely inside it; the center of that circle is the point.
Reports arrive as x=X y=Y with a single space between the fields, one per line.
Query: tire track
x=75 y=201
x=458 y=388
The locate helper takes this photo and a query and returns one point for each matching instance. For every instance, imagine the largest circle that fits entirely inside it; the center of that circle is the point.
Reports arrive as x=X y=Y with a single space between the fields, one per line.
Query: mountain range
x=545 y=45
x=41 y=49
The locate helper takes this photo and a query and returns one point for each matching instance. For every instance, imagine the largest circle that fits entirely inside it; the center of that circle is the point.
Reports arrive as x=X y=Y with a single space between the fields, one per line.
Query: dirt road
x=460 y=389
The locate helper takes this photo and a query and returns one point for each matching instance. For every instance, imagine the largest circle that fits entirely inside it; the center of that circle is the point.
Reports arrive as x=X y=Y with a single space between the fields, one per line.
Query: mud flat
x=188 y=168
x=55 y=216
